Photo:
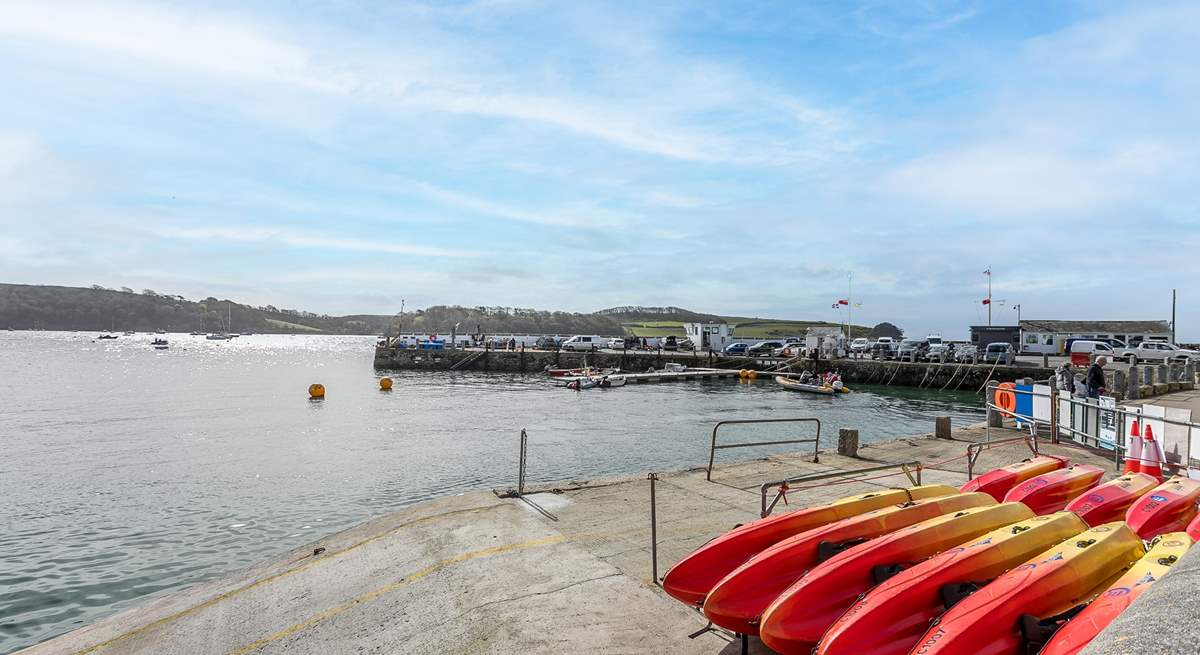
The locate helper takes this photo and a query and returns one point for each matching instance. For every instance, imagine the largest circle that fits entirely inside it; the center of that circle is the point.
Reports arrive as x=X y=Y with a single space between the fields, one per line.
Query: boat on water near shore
x=611 y=381
x=822 y=389
x=160 y=344
x=218 y=336
x=107 y=336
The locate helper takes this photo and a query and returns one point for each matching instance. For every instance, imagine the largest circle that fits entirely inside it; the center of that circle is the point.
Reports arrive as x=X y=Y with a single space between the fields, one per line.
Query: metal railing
x=976 y=449
x=1084 y=419
x=910 y=469
x=712 y=453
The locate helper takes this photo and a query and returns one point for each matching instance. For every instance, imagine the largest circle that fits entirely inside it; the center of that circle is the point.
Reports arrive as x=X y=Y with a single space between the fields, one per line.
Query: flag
x=843 y=302
x=987 y=301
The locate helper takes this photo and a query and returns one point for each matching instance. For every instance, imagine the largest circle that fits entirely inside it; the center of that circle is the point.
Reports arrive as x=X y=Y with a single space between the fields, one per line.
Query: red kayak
x=1109 y=501
x=1193 y=529
x=1080 y=630
x=890 y=619
x=997 y=619
x=797 y=619
x=1167 y=508
x=738 y=601
x=999 y=482
x=695 y=575
x=1050 y=492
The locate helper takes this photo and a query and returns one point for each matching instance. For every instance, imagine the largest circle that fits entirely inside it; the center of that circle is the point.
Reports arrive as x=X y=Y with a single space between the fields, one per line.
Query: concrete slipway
x=480 y=574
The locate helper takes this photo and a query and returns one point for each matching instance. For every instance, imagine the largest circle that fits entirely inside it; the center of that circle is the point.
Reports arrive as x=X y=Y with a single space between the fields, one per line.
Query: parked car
x=795 y=350
x=909 y=350
x=939 y=352
x=546 y=343
x=1091 y=348
x=738 y=348
x=582 y=342
x=687 y=344
x=999 y=352
x=860 y=345
x=783 y=350
x=764 y=348
x=670 y=343
x=882 y=349
x=1157 y=351
x=966 y=353
x=615 y=343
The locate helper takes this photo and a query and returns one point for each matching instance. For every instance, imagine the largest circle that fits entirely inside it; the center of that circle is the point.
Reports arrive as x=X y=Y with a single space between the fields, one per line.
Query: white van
x=583 y=342
x=1096 y=348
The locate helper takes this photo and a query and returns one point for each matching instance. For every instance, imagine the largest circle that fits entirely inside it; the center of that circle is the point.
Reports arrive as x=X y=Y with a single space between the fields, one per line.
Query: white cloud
x=300 y=239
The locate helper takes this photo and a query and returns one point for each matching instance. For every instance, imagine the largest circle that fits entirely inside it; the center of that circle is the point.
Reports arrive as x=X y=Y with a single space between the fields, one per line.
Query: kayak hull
x=694 y=576
x=795 y=621
x=999 y=482
x=1080 y=630
x=892 y=617
x=1169 y=507
x=738 y=601
x=987 y=622
x=1110 y=501
x=1050 y=492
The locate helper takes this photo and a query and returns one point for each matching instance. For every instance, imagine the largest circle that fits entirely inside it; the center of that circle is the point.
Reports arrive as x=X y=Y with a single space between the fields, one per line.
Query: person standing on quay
x=1095 y=377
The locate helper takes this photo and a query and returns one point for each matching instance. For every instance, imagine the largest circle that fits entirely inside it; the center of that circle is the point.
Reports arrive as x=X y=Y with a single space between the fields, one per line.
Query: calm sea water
x=127 y=472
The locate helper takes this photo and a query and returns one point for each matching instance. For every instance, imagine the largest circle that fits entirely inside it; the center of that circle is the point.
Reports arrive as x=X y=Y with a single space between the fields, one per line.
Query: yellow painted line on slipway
x=272 y=578
x=389 y=588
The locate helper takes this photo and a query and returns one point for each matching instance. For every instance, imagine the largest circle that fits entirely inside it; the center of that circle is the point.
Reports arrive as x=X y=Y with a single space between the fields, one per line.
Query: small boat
x=129 y=333
x=218 y=336
x=579 y=384
x=107 y=336
x=823 y=389
x=196 y=334
x=610 y=381
x=160 y=344
x=160 y=331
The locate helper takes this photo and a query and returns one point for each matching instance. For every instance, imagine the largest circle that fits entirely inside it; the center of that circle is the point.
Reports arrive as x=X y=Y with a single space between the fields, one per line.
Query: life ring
x=1006 y=400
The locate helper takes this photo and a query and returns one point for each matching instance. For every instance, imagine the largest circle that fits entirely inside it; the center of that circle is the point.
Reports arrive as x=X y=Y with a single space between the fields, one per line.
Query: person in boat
x=806 y=377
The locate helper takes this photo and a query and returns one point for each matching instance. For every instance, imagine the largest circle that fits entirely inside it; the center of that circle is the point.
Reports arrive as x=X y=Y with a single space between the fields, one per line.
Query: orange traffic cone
x=1133 y=449
x=1152 y=457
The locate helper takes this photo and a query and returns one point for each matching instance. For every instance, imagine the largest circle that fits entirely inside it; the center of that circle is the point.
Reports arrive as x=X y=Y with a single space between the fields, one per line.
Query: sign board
x=1107 y=436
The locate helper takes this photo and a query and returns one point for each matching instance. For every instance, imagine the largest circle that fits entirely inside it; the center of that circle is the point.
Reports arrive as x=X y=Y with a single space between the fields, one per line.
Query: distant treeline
x=508 y=320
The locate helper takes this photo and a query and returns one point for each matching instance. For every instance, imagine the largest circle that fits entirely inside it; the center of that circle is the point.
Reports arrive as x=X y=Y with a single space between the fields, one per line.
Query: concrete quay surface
x=565 y=570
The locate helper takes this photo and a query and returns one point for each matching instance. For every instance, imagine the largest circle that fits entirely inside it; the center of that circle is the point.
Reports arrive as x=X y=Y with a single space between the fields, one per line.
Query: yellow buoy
x=316 y=391
x=385 y=384
x=753 y=375
x=742 y=374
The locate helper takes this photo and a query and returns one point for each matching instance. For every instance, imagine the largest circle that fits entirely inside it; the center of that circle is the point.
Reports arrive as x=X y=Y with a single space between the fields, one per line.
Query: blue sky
x=739 y=158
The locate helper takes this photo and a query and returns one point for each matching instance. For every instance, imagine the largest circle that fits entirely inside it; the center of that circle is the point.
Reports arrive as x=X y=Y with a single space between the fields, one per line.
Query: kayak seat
x=827 y=549
x=953 y=593
x=880 y=574
x=1036 y=632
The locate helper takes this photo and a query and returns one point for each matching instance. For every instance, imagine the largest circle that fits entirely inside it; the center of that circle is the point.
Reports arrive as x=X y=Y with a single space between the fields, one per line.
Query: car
x=764 y=348
x=909 y=350
x=883 y=349
x=860 y=345
x=939 y=352
x=1000 y=353
x=670 y=343
x=738 y=348
x=615 y=343
x=795 y=350
x=1157 y=351
x=966 y=353
x=687 y=344
x=582 y=342
x=782 y=350
x=546 y=343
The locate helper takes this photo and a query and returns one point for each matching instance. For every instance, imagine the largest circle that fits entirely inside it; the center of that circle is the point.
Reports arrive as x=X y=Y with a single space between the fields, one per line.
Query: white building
x=709 y=335
x=1051 y=336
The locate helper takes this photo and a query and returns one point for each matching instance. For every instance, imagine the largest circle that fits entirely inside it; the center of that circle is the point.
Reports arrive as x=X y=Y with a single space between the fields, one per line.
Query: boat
x=196 y=334
x=218 y=336
x=612 y=381
x=892 y=617
x=579 y=384
x=795 y=621
x=1050 y=492
x=1000 y=481
x=160 y=344
x=160 y=331
x=107 y=336
x=1166 y=508
x=1007 y=614
x=1083 y=627
x=694 y=576
x=1110 y=501
x=738 y=601
x=823 y=389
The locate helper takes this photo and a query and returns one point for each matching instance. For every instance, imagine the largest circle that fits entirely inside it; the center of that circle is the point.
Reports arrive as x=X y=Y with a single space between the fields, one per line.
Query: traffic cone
x=1152 y=457
x=1133 y=449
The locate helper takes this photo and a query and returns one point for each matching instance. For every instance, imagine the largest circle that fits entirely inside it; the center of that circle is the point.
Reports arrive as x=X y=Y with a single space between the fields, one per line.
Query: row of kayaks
x=822 y=388
x=1033 y=555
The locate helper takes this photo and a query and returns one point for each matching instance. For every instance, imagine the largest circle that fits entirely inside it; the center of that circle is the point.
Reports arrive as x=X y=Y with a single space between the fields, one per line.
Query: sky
x=746 y=159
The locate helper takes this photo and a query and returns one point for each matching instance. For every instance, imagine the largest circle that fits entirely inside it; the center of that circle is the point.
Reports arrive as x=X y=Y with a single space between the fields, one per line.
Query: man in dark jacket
x=1095 y=377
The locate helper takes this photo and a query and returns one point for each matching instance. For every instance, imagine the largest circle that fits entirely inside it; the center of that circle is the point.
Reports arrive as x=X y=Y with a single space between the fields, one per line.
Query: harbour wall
x=853 y=371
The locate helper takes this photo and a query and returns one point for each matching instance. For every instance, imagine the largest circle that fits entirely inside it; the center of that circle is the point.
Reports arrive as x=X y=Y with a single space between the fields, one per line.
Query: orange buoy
x=316 y=391
x=753 y=375
x=1005 y=398
x=742 y=374
x=385 y=384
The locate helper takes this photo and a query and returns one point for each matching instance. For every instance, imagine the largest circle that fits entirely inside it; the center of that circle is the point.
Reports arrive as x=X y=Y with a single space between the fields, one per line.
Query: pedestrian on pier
x=1095 y=377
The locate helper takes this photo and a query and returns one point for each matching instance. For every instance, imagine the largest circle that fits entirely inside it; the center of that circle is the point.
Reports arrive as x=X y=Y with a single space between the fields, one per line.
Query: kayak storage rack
x=910 y=469
x=712 y=453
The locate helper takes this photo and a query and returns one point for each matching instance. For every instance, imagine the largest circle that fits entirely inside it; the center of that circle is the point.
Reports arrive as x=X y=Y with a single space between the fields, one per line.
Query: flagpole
x=989 y=274
x=850 y=306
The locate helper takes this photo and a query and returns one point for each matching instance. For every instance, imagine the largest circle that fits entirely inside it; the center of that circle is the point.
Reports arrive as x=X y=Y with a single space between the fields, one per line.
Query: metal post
x=653 y=477
x=521 y=472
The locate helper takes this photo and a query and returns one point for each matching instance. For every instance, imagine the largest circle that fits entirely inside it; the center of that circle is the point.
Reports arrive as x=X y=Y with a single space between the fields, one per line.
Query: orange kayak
x=1109 y=501
x=989 y=622
x=738 y=600
x=1167 y=508
x=1193 y=529
x=1050 y=492
x=695 y=575
x=800 y=615
x=999 y=482
x=890 y=619
x=1079 y=631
